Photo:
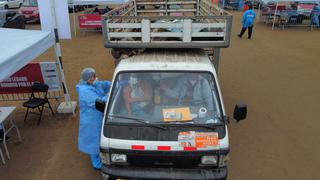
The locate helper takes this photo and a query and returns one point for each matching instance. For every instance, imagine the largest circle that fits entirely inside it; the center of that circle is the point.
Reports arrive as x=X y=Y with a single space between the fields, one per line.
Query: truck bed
x=167 y=24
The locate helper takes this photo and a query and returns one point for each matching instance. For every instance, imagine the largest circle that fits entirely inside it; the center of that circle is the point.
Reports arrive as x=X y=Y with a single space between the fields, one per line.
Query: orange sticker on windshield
x=176 y=114
x=204 y=140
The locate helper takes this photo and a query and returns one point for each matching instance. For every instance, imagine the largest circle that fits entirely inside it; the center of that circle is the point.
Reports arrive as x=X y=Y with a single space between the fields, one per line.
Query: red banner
x=90 y=21
x=22 y=80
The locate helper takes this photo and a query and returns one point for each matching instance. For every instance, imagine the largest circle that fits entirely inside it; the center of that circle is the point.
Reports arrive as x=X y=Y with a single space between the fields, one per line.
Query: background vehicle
x=11 y=19
x=6 y=4
x=171 y=138
x=30 y=11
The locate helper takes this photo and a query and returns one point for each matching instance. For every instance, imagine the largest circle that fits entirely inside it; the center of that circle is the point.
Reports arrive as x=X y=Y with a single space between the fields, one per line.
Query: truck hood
x=28 y=8
x=128 y=137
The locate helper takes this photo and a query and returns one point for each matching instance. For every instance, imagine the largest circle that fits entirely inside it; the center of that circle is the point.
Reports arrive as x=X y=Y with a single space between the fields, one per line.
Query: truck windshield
x=165 y=97
x=30 y=3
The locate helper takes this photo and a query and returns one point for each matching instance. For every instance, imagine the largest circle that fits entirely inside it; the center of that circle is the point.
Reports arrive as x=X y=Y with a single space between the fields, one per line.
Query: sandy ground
x=275 y=73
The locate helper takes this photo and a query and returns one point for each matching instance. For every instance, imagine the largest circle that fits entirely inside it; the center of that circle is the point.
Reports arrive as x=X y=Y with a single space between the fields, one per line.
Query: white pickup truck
x=176 y=132
x=6 y=4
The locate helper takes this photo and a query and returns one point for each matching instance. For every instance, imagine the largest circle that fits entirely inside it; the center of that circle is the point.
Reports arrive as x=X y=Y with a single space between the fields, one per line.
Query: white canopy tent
x=102 y=2
x=19 y=47
x=92 y=2
x=278 y=1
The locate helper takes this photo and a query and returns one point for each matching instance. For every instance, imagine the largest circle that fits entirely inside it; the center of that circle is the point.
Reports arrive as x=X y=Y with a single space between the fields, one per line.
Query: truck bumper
x=31 y=19
x=164 y=173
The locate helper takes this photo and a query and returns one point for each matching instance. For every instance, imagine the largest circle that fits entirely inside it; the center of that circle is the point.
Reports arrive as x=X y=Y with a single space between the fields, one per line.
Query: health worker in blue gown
x=89 y=89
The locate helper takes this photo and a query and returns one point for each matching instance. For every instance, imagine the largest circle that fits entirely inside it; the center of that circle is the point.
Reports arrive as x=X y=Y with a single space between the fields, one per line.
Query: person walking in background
x=247 y=22
x=315 y=13
x=89 y=89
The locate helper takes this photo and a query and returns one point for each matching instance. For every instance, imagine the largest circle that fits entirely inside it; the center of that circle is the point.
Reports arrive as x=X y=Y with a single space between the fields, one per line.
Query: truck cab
x=170 y=138
x=165 y=117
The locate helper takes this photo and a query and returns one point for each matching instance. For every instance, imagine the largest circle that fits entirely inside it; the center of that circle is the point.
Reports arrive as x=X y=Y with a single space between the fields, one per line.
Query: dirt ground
x=275 y=73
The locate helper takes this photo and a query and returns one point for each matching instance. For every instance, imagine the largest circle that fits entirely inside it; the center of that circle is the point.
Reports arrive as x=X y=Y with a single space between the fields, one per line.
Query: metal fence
x=57 y=95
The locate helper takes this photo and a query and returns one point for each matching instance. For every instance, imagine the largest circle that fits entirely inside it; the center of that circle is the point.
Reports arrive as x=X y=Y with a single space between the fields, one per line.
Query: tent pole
x=74 y=20
x=68 y=104
x=274 y=15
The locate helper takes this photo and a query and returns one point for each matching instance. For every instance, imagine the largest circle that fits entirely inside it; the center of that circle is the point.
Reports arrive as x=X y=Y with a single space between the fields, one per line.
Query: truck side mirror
x=100 y=105
x=240 y=112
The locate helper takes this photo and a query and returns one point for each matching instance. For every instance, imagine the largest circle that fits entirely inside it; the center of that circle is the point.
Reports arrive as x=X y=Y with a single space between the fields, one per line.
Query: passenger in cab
x=191 y=89
x=137 y=95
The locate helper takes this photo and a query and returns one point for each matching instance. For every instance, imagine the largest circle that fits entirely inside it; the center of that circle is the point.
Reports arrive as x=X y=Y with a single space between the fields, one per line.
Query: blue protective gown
x=248 y=18
x=315 y=15
x=90 y=118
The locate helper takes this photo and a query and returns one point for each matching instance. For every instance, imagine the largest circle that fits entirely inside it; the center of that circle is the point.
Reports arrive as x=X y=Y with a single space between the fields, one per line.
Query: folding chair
x=38 y=99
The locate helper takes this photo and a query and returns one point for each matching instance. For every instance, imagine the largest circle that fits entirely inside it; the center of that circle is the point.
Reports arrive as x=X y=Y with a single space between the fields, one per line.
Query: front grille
x=164 y=161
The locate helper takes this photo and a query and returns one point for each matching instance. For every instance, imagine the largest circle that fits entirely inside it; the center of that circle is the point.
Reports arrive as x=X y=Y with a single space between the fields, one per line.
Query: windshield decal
x=176 y=114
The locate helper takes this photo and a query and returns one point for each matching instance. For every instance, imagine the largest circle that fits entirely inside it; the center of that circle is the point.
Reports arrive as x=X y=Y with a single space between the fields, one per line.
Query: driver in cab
x=191 y=89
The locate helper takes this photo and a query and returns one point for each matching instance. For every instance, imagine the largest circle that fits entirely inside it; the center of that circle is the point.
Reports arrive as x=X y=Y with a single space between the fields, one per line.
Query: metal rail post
x=57 y=50
x=216 y=59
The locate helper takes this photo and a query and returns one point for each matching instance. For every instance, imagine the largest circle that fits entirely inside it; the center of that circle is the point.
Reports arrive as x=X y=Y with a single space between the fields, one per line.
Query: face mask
x=95 y=81
x=192 y=82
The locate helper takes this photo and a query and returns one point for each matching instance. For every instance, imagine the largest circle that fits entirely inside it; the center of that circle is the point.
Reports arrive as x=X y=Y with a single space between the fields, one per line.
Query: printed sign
x=206 y=139
x=90 y=21
x=176 y=114
x=198 y=139
x=50 y=75
x=21 y=81
x=187 y=139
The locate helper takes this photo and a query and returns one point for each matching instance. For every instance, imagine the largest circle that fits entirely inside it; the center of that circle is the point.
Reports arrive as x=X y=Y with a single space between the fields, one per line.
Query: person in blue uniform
x=247 y=22
x=89 y=89
x=315 y=13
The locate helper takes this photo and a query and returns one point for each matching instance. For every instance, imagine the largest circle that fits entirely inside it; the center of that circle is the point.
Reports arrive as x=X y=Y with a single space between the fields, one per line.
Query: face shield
x=133 y=80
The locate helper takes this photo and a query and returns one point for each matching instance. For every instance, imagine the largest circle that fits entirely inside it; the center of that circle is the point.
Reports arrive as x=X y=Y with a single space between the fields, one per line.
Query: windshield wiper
x=138 y=120
x=191 y=124
x=204 y=126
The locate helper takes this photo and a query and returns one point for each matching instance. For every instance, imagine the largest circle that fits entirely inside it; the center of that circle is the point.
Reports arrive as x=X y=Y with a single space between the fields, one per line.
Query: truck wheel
x=112 y=178
x=107 y=177
x=6 y=7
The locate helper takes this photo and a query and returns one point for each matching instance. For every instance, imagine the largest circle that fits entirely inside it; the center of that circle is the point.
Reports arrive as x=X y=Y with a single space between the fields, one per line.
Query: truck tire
x=6 y=7
x=112 y=178
x=107 y=177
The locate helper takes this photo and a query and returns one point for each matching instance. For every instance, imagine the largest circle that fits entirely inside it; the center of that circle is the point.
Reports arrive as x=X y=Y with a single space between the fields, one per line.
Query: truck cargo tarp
x=19 y=47
x=88 y=2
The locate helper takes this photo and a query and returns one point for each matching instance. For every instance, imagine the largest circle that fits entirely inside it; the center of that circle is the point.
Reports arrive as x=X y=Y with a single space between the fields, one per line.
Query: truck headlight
x=35 y=12
x=118 y=158
x=209 y=160
x=105 y=159
x=223 y=160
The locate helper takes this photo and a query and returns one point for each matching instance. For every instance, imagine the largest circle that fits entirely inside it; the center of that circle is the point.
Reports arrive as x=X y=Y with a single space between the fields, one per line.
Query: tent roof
x=19 y=47
x=85 y=2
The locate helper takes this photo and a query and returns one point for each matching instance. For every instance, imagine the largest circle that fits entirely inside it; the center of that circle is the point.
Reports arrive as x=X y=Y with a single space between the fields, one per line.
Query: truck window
x=165 y=97
x=30 y=3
